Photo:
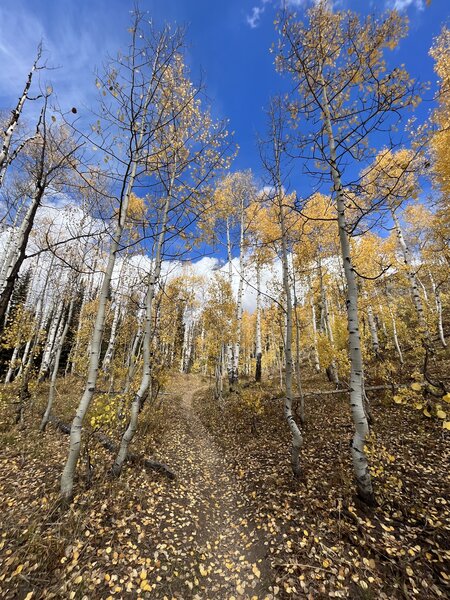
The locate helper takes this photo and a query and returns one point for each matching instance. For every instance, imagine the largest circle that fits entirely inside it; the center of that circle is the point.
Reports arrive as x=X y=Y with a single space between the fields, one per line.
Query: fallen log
x=368 y=388
x=108 y=444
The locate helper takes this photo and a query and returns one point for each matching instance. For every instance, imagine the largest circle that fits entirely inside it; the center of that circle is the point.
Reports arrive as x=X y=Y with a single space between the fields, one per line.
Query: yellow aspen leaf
x=18 y=570
x=446 y=425
x=416 y=386
x=256 y=571
x=78 y=580
x=326 y=563
x=441 y=414
x=203 y=571
x=427 y=413
x=363 y=584
x=409 y=571
x=446 y=398
x=29 y=596
x=143 y=574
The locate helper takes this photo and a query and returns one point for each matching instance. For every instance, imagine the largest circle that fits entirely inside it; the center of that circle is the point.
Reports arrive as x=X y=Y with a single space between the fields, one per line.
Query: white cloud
x=254 y=18
x=402 y=5
x=71 y=48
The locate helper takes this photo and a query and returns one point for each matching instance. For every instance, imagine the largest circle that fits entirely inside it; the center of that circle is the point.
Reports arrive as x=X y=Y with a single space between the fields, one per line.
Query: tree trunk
x=258 y=345
x=437 y=299
x=239 y=309
x=146 y=368
x=17 y=254
x=52 y=391
x=112 y=338
x=360 y=463
x=5 y=157
x=297 y=440
x=412 y=278
x=52 y=334
x=372 y=327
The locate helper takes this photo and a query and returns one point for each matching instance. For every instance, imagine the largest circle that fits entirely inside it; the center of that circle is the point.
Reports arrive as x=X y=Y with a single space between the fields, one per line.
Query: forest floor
x=234 y=523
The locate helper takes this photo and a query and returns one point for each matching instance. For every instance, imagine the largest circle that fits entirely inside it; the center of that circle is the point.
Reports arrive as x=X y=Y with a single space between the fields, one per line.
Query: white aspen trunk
x=411 y=277
x=230 y=359
x=297 y=440
x=314 y=329
x=298 y=369
x=68 y=474
x=16 y=254
x=360 y=463
x=24 y=358
x=67 y=477
x=136 y=405
x=189 y=356
x=112 y=339
x=60 y=345
x=74 y=351
x=258 y=344
x=52 y=333
x=132 y=358
x=8 y=134
x=372 y=326
x=184 y=349
x=424 y=289
x=395 y=336
x=326 y=325
x=239 y=307
x=380 y=313
x=12 y=365
x=437 y=300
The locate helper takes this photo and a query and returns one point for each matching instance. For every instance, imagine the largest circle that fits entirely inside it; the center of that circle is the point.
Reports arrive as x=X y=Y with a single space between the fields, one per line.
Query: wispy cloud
x=254 y=18
x=402 y=5
x=71 y=48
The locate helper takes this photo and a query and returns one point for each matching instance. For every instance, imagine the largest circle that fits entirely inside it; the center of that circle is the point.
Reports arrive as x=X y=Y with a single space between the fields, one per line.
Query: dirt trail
x=229 y=555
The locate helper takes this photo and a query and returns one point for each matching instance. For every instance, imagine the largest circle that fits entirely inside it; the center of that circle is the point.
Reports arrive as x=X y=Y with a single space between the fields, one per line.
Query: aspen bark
x=52 y=334
x=314 y=329
x=67 y=478
x=5 y=157
x=12 y=364
x=360 y=463
x=411 y=277
x=112 y=339
x=136 y=405
x=60 y=345
x=437 y=299
x=258 y=345
x=372 y=326
x=239 y=309
x=297 y=439
x=229 y=356
x=325 y=325
x=17 y=253
x=395 y=336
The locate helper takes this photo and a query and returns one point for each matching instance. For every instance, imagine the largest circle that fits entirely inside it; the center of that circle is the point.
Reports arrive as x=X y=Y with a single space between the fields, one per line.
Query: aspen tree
x=8 y=153
x=273 y=157
x=346 y=92
x=131 y=84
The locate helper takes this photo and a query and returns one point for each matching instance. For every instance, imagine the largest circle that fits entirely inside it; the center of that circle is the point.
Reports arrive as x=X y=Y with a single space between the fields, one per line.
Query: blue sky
x=228 y=39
